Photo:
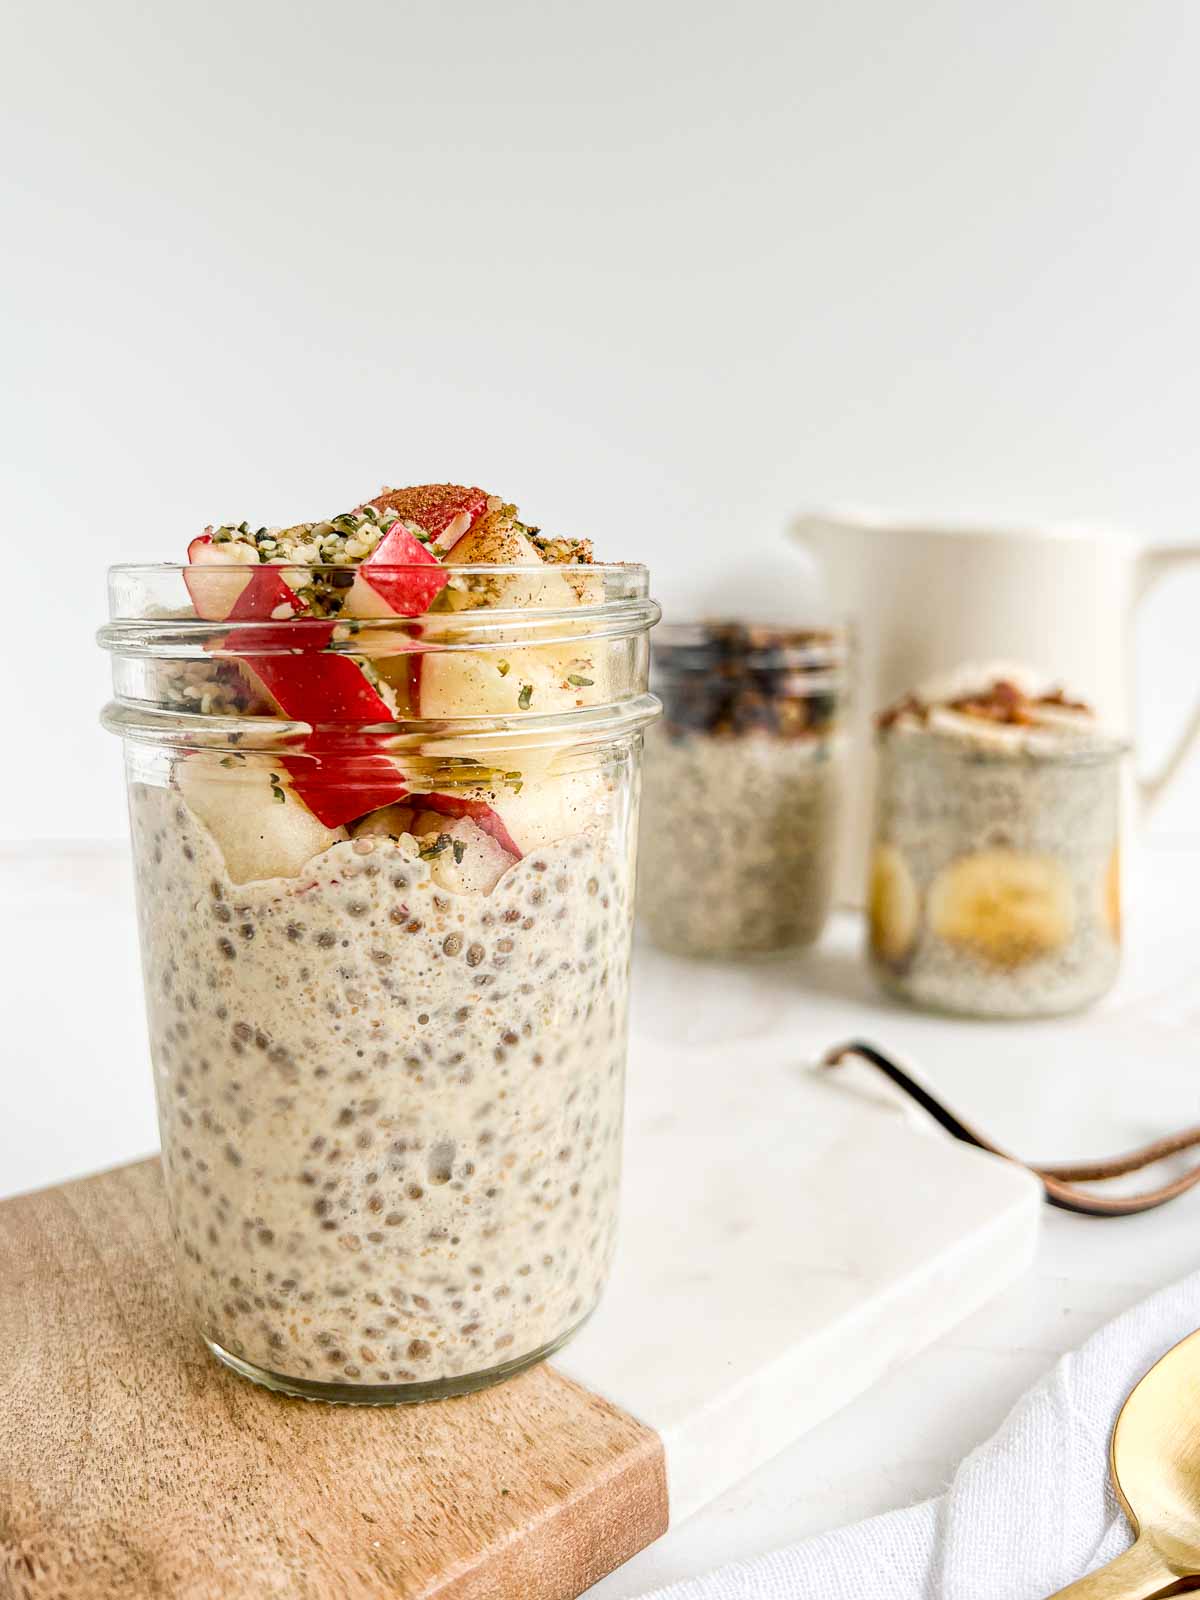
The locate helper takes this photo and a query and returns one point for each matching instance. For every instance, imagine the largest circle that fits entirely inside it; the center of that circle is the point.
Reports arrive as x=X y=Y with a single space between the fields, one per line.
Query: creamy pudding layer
x=741 y=787
x=737 y=841
x=391 y=1114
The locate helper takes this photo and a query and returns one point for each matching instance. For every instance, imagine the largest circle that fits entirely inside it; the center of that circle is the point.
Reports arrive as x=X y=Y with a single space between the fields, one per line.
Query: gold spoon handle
x=1140 y=1573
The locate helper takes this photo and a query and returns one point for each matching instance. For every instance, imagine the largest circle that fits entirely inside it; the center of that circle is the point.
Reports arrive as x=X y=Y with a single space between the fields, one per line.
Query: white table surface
x=78 y=1097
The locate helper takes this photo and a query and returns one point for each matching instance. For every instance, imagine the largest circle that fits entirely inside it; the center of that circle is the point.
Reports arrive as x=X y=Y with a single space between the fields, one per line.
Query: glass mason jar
x=743 y=787
x=995 y=879
x=386 y=966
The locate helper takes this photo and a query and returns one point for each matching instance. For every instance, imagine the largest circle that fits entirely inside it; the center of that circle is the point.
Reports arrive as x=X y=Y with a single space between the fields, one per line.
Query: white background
x=662 y=272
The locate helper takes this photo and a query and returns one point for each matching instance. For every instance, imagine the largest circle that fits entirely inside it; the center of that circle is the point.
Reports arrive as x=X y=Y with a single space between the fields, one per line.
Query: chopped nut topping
x=729 y=679
x=562 y=551
x=1000 y=701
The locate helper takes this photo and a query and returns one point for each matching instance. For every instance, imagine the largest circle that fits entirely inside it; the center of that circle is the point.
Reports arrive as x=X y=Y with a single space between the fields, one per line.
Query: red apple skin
x=342 y=774
x=403 y=575
x=312 y=684
x=340 y=785
x=445 y=510
x=340 y=777
x=482 y=815
x=261 y=595
x=340 y=781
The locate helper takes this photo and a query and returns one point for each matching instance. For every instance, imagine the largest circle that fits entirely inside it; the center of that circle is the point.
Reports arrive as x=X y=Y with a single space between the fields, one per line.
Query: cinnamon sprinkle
x=431 y=505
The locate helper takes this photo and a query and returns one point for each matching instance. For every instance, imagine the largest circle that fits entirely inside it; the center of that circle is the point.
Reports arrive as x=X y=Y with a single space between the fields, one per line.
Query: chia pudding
x=995 y=876
x=386 y=975
x=742 y=788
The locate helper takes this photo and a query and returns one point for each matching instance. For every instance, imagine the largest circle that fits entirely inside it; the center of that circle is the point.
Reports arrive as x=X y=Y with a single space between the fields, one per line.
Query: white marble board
x=786 y=1239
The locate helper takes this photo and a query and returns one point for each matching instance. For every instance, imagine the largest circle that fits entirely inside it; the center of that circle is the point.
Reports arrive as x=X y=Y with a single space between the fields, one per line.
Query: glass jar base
x=974 y=1010
x=736 y=949
x=388 y=1394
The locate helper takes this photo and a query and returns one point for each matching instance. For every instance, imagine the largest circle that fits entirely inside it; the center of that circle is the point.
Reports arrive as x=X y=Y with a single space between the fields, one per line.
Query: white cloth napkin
x=1025 y=1514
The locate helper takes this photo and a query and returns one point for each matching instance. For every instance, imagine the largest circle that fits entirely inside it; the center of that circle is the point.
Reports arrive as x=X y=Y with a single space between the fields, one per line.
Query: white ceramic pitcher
x=924 y=599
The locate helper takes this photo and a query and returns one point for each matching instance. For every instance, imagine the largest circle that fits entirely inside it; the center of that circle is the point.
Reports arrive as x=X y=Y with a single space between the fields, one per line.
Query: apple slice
x=444 y=510
x=472 y=862
x=337 y=797
x=550 y=807
x=396 y=660
x=227 y=582
x=257 y=821
x=479 y=811
x=528 y=814
x=400 y=578
x=306 y=679
x=505 y=682
x=341 y=777
x=497 y=539
x=463 y=857
x=342 y=773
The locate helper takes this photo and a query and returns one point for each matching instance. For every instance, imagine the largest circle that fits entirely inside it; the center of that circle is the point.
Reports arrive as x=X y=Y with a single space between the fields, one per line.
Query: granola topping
x=729 y=679
x=742 y=787
x=1003 y=706
x=1000 y=701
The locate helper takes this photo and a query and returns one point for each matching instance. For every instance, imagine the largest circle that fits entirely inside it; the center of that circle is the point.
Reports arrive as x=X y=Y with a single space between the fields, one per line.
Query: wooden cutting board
x=132 y=1465
x=785 y=1240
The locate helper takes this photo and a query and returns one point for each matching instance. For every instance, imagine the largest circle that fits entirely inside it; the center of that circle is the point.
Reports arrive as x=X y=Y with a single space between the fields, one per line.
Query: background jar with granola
x=742 y=787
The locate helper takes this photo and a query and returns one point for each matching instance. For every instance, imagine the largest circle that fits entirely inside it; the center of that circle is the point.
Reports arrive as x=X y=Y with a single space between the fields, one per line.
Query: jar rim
x=631 y=567
x=150 y=614
x=1032 y=746
x=829 y=629
x=817 y=654
x=153 y=621
x=580 y=726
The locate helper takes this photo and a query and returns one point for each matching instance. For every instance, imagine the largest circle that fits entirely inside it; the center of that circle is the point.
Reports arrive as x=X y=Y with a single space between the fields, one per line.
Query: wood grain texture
x=132 y=1464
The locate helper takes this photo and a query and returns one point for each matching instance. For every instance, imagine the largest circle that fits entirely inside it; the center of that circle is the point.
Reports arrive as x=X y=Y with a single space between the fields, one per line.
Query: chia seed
x=996 y=873
x=310 y=1198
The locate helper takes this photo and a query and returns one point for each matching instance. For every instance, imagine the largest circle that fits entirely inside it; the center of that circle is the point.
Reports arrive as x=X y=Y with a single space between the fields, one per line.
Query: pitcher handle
x=1154 y=564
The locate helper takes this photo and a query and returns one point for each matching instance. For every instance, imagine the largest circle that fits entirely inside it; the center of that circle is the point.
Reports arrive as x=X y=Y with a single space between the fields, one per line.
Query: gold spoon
x=1155 y=1464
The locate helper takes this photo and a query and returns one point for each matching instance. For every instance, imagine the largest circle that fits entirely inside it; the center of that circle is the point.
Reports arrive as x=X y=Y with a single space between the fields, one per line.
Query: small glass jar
x=743 y=787
x=386 y=968
x=995 y=875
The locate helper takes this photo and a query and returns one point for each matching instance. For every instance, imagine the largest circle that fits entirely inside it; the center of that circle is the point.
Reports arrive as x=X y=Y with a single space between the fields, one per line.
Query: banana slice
x=1005 y=907
x=893 y=905
x=1112 y=894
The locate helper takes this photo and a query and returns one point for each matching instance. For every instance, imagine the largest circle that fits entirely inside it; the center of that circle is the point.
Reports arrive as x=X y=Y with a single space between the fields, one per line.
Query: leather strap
x=1060 y=1180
